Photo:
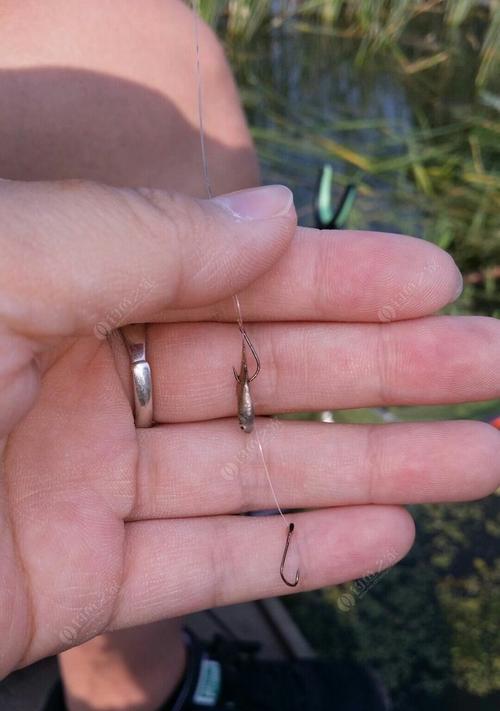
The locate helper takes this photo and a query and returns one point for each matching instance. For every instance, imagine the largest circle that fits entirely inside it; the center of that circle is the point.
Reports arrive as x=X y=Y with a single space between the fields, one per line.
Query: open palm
x=105 y=526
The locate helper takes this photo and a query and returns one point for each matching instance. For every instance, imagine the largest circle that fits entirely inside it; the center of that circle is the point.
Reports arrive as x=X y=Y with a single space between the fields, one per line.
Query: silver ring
x=134 y=337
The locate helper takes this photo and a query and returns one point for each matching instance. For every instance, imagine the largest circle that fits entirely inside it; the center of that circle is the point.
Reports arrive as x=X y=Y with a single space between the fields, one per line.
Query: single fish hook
x=291 y=528
x=246 y=339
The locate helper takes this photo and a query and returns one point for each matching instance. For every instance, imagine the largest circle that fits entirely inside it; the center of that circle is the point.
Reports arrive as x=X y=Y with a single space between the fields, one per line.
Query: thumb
x=79 y=257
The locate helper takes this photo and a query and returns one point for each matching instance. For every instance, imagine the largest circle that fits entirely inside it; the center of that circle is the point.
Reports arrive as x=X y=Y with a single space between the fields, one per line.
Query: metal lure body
x=246 y=413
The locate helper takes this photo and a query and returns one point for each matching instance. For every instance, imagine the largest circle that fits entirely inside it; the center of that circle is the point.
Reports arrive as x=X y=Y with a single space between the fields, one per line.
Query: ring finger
x=214 y=468
x=306 y=367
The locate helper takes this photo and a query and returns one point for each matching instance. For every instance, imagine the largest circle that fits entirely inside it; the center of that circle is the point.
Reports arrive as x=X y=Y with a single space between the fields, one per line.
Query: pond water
x=314 y=90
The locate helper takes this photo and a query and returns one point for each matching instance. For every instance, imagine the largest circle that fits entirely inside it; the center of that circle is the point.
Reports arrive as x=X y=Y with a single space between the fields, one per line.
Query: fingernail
x=257 y=203
x=460 y=286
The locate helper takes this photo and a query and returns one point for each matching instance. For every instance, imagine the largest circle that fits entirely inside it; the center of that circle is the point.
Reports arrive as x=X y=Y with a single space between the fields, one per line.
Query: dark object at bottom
x=227 y=676
x=251 y=684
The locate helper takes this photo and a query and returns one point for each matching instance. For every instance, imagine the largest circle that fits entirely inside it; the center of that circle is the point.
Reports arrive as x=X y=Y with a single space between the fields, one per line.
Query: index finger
x=343 y=275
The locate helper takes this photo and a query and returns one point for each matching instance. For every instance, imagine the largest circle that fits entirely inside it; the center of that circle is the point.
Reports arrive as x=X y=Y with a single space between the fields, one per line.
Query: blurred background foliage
x=402 y=98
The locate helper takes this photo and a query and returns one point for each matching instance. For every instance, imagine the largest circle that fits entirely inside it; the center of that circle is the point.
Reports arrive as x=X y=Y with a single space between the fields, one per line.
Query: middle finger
x=307 y=367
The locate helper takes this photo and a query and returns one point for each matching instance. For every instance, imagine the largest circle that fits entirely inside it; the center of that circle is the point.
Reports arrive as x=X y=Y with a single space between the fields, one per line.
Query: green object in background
x=324 y=208
x=328 y=218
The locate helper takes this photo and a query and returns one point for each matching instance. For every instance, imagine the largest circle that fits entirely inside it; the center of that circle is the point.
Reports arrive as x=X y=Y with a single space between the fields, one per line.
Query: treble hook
x=246 y=411
x=246 y=339
x=291 y=528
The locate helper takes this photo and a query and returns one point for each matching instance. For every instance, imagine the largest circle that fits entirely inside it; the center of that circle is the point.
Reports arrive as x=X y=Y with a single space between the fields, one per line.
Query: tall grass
x=364 y=13
x=490 y=51
x=245 y=17
x=379 y=24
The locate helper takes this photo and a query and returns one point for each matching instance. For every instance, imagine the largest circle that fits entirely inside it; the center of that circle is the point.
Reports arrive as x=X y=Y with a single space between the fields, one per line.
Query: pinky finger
x=179 y=566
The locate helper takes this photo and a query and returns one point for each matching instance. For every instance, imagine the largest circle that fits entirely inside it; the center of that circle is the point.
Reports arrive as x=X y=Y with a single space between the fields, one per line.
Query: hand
x=105 y=526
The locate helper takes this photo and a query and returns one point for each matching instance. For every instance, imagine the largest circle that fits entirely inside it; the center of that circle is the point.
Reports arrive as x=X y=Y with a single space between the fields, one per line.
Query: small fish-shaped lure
x=246 y=412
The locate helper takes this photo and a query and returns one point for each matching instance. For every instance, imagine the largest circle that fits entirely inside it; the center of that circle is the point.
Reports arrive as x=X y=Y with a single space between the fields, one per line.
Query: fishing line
x=243 y=379
x=199 y=91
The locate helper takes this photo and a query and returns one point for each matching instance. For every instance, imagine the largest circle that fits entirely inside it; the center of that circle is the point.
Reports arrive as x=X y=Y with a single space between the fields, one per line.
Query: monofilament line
x=268 y=475
x=199 y=89
x=208 y=188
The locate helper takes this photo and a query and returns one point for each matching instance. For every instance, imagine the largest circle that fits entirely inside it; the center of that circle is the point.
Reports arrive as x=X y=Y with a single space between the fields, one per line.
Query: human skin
x=135 y=526
x=77 y=135
x=154 y=142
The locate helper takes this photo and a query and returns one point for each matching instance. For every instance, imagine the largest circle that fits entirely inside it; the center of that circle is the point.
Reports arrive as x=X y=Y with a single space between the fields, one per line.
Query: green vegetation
x=380 y=24
x=402 y=98
x=429 y=625
x=443 y=164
